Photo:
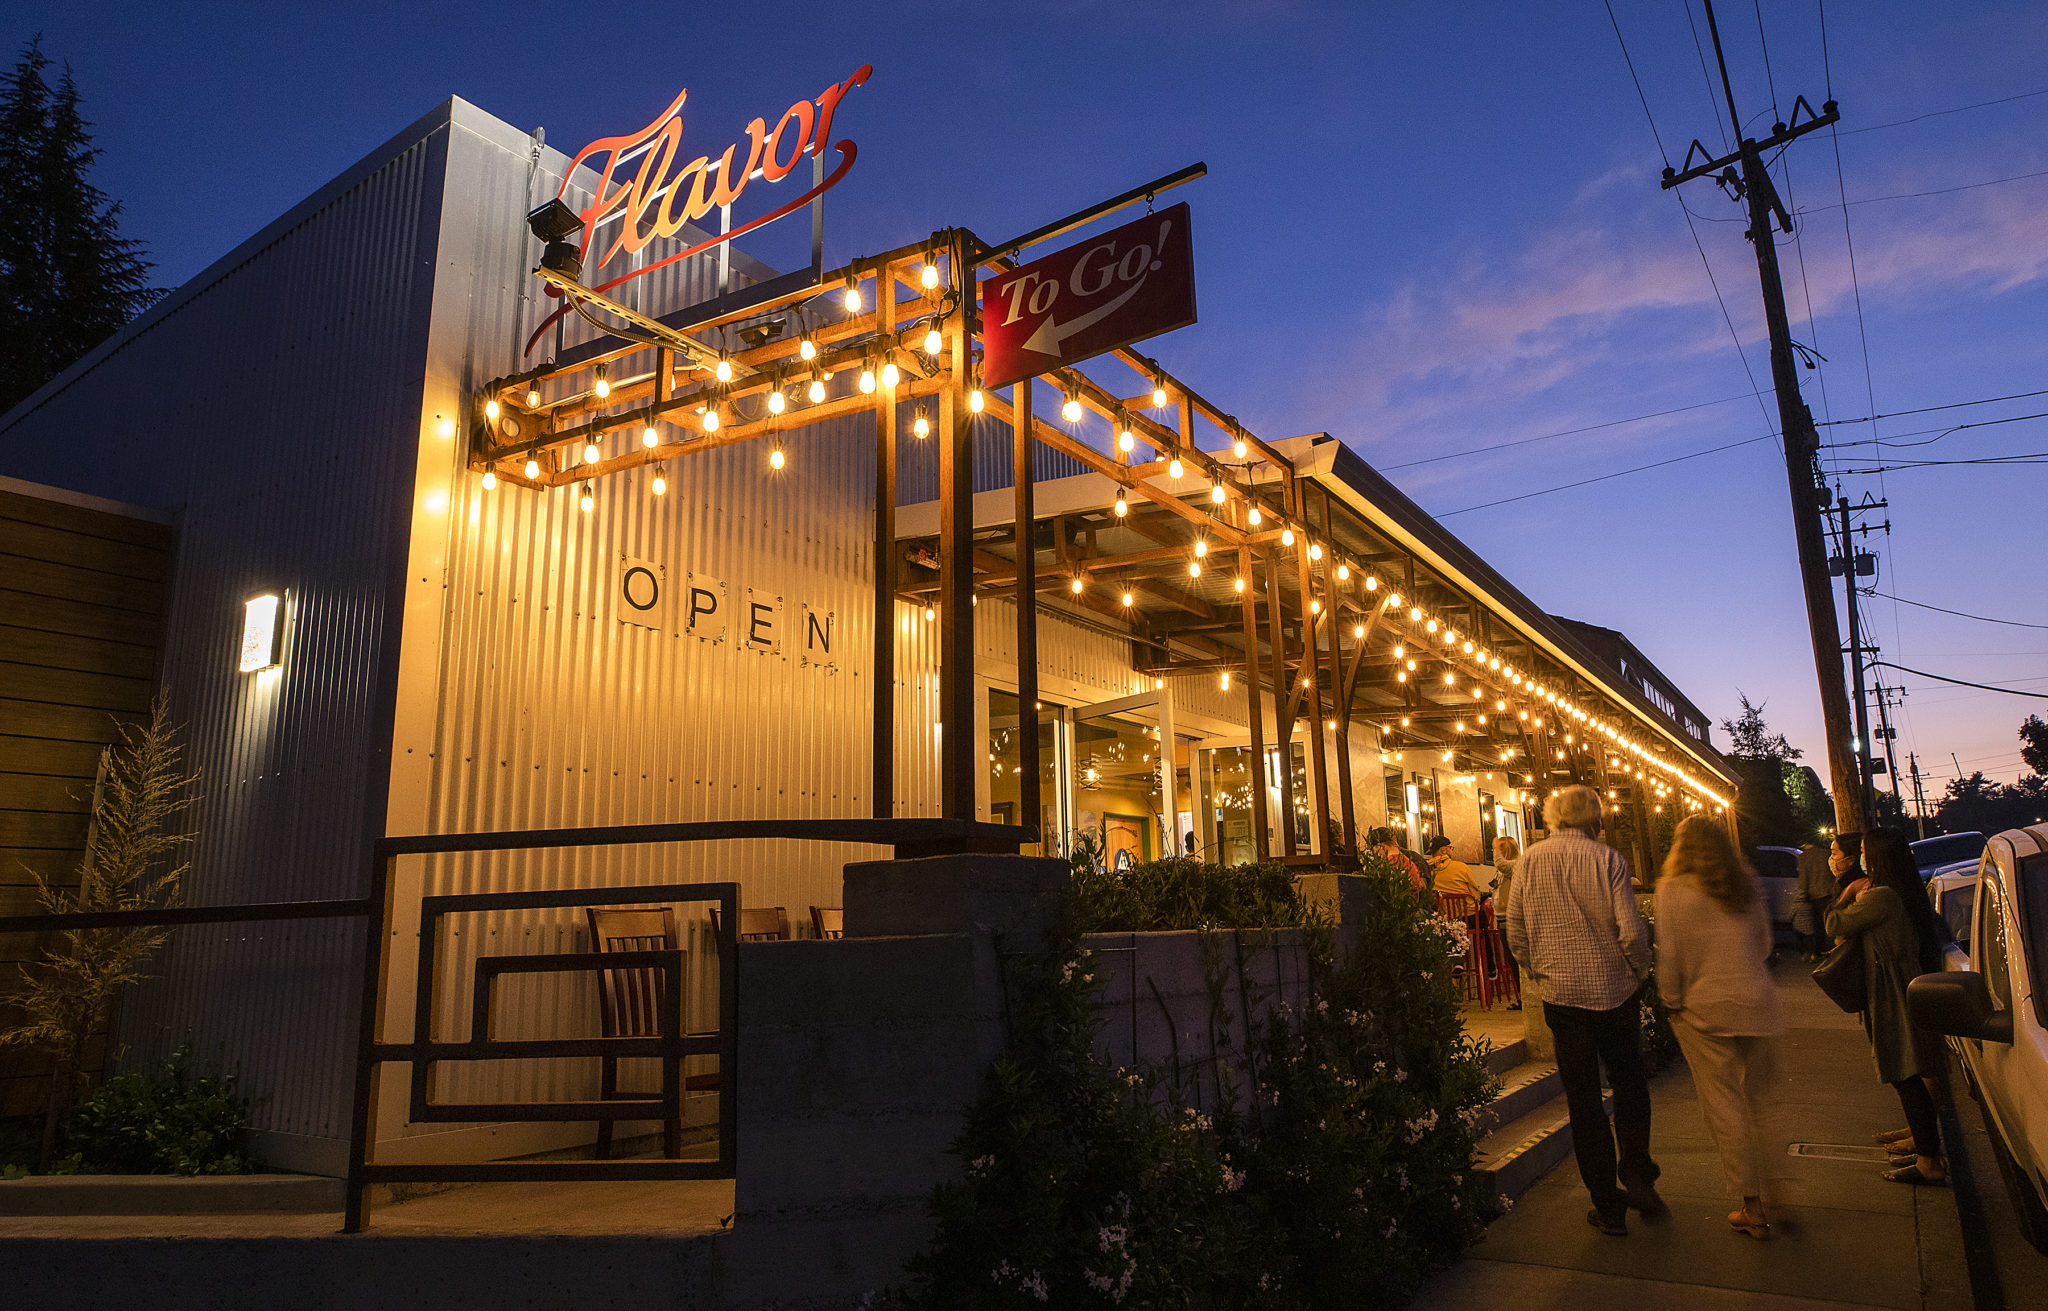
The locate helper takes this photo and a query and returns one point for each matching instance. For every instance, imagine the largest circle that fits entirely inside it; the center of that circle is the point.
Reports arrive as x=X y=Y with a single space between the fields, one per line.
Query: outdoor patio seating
x=629 y=1001
x=828 y=921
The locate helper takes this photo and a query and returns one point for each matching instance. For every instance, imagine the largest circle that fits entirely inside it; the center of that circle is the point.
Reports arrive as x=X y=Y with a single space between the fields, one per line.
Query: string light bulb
x=817 y=390
x=776 y=459
x=1071 y=410
x=490 y=480
x=867 y=380
x=585 y=499
x=1158 y=395
x=1194 y=568
x=921 y=425
x=491 y=409
x=929 y=276
x=602 y=387
x=591 y=455
x=1358 y=632
x=1237 y=584
x=532 y=398
x=1226 y=680
x=975 y=401
x=660 y=487
x=1125 y=441
x=1315 y=550
x=1201 y=547
x=890 y=374
x=711 y=418
x=1286 y=537
x=1216 y=494
x=1123 y=506
x=933 y=342
x=1128 y=600
x=1238 y=447
x=724 y=369
x=532 y=468
x=1253 y=516
x=1077 y=586
x=648 y=436
x=807 y=348
x=1174 y=468
x=777 y=402
x=852 y=299
x=1343 y=573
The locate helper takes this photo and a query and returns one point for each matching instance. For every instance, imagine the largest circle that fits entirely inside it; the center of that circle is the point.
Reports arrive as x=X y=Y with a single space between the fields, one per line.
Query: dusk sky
x=1434 y=231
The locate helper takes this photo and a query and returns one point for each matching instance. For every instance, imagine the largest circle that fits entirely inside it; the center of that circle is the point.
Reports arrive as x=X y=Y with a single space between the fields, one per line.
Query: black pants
x=1585 y=1040
x=1920 y=1118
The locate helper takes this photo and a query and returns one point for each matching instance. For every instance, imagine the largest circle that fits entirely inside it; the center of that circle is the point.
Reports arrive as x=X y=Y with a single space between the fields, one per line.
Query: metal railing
x=908 y=837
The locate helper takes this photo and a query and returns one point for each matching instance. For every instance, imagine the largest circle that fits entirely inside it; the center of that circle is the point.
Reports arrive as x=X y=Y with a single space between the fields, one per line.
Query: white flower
x=1232 y=1179
x=1036 y=1287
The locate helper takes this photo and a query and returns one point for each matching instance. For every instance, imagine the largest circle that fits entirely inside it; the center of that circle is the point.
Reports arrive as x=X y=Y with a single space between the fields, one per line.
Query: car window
x=1990 y=944
x=1774 y=864
x=1956 y=906
x=2033 y=890
x=1947 y=850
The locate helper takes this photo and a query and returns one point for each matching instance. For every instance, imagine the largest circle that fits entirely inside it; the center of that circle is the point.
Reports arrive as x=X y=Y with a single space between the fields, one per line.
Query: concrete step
x=1524 y=1149
x=1522 y=1089
x=1502 y=1059
x=121 y=1194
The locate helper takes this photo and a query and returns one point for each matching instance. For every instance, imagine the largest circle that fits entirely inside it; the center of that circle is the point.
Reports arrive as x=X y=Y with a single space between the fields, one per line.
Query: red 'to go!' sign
x=1134 y=282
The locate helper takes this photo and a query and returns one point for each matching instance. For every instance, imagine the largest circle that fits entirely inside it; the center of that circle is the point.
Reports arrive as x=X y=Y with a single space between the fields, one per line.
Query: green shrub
x=1338 y=1173
x=1185 y=894
x=168 y=1122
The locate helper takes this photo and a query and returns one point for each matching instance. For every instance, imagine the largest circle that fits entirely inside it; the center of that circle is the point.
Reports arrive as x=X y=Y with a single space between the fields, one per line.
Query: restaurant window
x=1227 y=815
x=1005 y=770
x=1115 y=786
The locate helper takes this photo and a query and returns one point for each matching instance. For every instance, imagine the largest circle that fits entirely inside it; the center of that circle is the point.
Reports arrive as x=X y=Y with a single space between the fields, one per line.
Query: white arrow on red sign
x=1125 y=285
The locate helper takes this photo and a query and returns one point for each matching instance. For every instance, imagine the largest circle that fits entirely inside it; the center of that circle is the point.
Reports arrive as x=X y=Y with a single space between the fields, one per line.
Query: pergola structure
x=1222 y=555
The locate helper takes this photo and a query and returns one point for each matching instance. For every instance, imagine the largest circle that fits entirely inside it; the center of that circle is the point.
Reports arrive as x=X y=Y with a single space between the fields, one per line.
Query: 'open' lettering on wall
x=703 y=608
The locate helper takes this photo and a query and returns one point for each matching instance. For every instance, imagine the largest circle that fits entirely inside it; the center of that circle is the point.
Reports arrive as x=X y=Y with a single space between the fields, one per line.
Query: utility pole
x=1864 y=754
x=1802 y=441
x=1919 y=797
x=1884 y=733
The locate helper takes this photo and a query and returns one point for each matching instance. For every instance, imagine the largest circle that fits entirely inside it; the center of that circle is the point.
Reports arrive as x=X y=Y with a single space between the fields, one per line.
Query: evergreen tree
x=68 y=278
x=1764 y=808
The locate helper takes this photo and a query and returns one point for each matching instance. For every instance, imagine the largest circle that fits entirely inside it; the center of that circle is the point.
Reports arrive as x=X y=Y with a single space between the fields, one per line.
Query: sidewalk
x=1842 y=1237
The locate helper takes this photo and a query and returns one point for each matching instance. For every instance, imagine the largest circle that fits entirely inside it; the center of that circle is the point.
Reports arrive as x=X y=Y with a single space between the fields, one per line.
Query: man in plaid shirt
x=1573 y=925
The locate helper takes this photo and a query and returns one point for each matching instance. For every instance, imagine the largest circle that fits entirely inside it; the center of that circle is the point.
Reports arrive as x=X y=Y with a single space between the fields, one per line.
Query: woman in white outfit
x=1713 y=945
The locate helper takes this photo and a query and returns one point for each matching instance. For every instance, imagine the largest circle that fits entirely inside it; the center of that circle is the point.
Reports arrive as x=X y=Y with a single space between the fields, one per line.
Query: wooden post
x=1254 y=712
x=1312 y=696
x=883 y=784
x=1340 y=706
x=1030 y=805
x=1283 y=727
x=956 y=569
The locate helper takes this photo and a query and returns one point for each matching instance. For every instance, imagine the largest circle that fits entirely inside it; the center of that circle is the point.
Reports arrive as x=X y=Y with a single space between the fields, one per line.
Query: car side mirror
x=1958 y=1002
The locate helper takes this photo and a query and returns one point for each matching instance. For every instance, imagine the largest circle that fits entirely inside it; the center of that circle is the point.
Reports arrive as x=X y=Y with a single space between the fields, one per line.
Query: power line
x=1937 y=113
x=1929 y=409
x=2030 y=457
x=1568 y=432
x=1601 y=478
x=1960 y=614
x=1961 y=682
x=1914 y=195
x=1945 y=432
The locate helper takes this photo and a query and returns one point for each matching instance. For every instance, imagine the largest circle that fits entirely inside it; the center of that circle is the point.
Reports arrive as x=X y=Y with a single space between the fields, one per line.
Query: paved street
x=1842 y=1236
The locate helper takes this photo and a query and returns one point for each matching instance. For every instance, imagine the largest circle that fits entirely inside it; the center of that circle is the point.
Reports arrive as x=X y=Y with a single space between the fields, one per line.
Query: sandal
x=1911 y=1174
x=1742 y=1222
x=1892 y=1136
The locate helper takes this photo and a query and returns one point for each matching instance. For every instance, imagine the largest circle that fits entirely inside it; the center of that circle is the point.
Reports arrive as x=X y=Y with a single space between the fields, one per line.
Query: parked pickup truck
x=1996 y=1014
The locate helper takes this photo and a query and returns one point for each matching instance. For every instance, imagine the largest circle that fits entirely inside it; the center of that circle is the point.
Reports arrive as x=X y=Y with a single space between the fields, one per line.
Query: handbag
x=1840 y=975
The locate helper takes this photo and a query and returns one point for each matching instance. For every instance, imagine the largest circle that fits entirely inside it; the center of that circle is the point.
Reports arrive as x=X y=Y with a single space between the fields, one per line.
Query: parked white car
x=1996 y=1013
x=1777 y=873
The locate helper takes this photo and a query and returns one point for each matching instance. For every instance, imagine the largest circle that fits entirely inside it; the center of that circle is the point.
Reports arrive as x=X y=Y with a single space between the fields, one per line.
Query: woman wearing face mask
x=1885 y=906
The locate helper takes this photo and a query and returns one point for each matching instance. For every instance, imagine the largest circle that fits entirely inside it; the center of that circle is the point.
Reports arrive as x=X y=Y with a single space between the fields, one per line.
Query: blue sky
x=1427 y=229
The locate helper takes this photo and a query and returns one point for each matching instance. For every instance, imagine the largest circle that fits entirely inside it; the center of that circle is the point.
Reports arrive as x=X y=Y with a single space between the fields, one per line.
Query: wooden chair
x=629 y=1001
x=758 y=924
x=828 y=921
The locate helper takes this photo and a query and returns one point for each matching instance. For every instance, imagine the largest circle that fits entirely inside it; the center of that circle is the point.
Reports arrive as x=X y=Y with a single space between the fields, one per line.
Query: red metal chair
x=1467 y=973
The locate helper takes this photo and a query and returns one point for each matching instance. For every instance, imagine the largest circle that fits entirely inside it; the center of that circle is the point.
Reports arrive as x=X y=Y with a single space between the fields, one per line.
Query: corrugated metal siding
x=995 y=460
x=548 y=710
x=277 y=405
